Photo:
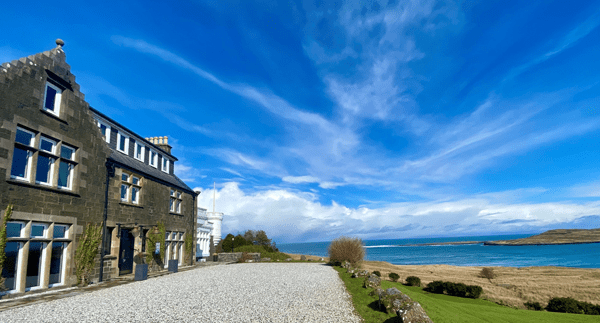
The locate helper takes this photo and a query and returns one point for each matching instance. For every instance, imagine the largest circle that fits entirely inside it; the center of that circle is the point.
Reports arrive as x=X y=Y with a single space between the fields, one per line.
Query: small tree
x=86 y=252
x=3 y=240
x=262 y=239
x=413 y=281
x=346 y=249
x=377 y=273
x=488 y=273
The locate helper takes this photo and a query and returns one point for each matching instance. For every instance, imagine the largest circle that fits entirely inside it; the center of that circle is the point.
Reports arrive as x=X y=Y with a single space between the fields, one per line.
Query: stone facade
x=53 y=170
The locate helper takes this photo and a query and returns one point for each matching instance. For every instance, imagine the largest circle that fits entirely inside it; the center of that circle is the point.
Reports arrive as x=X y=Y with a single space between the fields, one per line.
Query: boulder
x=412 y=312
x=321 y=259
x=361 y=273
x=347 y=265
x=303 y=258
x=288 y=259
x=265 y=259
x=372 y=281
x=394 y=301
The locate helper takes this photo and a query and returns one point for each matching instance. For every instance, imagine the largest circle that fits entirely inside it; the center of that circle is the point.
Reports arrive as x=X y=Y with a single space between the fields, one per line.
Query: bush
x=346 y=249
x=487 y=273
x=265 y=252
x=413 y=281
x=534 y=306
x=563 y=305
x=454 y=289
x=394 y=276
x=377 y=273
x=436 y=287
x=570 y=305
x=474 y=291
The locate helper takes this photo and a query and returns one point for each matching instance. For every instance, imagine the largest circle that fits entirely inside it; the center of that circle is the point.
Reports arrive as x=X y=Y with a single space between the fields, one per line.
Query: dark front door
x=126 y=252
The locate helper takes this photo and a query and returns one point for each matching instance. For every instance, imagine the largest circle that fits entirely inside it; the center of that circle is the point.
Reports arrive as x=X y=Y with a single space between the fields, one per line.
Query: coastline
x=513 y=286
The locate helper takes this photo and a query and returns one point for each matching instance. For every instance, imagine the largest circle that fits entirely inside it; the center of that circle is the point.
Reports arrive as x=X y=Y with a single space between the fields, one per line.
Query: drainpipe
x=194 y=216
x=110 y=172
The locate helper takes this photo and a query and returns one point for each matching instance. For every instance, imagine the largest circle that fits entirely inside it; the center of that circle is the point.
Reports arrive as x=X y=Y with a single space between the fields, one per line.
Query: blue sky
x=382 y=119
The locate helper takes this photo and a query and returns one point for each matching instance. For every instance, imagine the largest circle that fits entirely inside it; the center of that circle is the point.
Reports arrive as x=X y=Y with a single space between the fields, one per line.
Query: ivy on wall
x=152 y=239
x=86 y=252
x=189 y=244
x=3 y=240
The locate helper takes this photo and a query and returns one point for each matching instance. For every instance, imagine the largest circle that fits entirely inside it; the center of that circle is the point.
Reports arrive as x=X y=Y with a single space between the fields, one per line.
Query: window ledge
x=131 y=204
x=42 y=187
x=50 y=114
x=109 y=257
x=173 y=213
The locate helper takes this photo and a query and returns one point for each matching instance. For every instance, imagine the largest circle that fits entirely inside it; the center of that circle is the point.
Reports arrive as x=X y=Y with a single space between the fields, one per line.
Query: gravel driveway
x=260 y=292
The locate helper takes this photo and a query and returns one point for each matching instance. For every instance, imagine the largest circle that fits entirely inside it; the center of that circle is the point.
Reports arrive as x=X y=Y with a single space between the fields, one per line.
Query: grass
x=449 y=309
x=264 y=253
x=511 y=286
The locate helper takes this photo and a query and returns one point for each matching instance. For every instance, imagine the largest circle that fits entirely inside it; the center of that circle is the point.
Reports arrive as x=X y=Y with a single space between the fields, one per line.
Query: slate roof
x=140 y=167
x=149 y=171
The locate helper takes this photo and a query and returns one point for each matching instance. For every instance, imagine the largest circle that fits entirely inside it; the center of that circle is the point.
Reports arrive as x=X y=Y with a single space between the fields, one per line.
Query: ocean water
x=400 y=252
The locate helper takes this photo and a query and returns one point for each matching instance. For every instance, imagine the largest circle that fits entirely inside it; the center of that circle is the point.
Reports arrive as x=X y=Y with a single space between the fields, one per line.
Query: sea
x=409 y=252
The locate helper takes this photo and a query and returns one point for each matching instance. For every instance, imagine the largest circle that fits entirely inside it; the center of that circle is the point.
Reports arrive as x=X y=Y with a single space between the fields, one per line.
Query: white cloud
x=300 y=179
x=289 y=216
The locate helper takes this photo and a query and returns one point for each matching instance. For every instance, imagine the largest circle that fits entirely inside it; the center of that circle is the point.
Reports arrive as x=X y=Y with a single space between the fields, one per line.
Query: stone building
x=57 y=155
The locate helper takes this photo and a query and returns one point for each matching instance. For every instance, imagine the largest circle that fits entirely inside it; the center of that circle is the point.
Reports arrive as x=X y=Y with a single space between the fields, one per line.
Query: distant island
x=553 y=237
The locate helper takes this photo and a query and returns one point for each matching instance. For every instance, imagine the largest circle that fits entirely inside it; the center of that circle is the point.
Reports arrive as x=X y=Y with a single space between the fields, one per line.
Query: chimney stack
x=161 y=142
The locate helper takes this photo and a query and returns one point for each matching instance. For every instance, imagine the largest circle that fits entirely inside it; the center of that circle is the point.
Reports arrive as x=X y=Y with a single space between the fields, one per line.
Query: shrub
x=3 y=240
x=376 y=272
x=474 y=291
x=87 y=249
x=570 y=305
x=436 y=287
x=454 y=289
x=488 y=273
x=394 y=276
x=563 y=305
x=346 y=249
x=534 y=306
x=413 y=281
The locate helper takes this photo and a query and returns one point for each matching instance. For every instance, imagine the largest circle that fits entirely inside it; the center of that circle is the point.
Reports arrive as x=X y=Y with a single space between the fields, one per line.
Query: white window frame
x=175 y=201
x=126 y=150
x=165 y=164
x=152 y=161
x=52 y=160
x=130 y=187
x=143 y=151
x=71 y=169
x=29 y=156
x=57 y=99
x=108 y=128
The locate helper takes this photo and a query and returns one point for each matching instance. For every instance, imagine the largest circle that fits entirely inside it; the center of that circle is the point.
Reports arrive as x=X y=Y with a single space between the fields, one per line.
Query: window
x=131 y=186
x=22 y=154
x=66 y=166
x=165 y=164
x=52 y=98
x=105 y=130
x=48 y=157
x=39 y=263
x=153 y=158
x=108 y=242
x=123 y=143
x=45 y=161
x=139 y=151
x=173 y=247
x=175 y=201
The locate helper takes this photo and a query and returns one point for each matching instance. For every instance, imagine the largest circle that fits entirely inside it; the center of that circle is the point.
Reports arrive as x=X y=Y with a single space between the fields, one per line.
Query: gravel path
x=262 y=292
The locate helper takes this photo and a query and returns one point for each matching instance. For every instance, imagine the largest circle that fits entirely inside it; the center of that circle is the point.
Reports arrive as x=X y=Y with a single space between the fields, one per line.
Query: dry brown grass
x=512 y=286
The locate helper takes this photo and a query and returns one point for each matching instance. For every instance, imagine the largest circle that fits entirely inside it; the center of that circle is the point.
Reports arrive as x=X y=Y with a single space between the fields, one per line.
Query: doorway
x=126 y=252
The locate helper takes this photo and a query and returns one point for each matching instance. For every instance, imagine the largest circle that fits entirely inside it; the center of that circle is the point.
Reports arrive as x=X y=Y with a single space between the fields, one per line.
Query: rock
x=393 y=291
x=321 y=259
x=372 y=281
x=347 y=265
x=350 y=271
x=289 y=259
x=303 y=258
x=412 y=312
x=249 y=260
x=265 y=259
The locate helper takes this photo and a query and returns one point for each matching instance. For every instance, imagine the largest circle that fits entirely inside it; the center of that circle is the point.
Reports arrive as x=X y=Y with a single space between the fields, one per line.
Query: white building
x=209 y=225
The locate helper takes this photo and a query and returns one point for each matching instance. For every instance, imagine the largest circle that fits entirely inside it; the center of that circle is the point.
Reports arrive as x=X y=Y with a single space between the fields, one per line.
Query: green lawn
x=449 y=309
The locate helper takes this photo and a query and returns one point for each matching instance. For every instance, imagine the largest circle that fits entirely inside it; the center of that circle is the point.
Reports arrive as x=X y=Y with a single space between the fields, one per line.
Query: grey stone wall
x=235 y=256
